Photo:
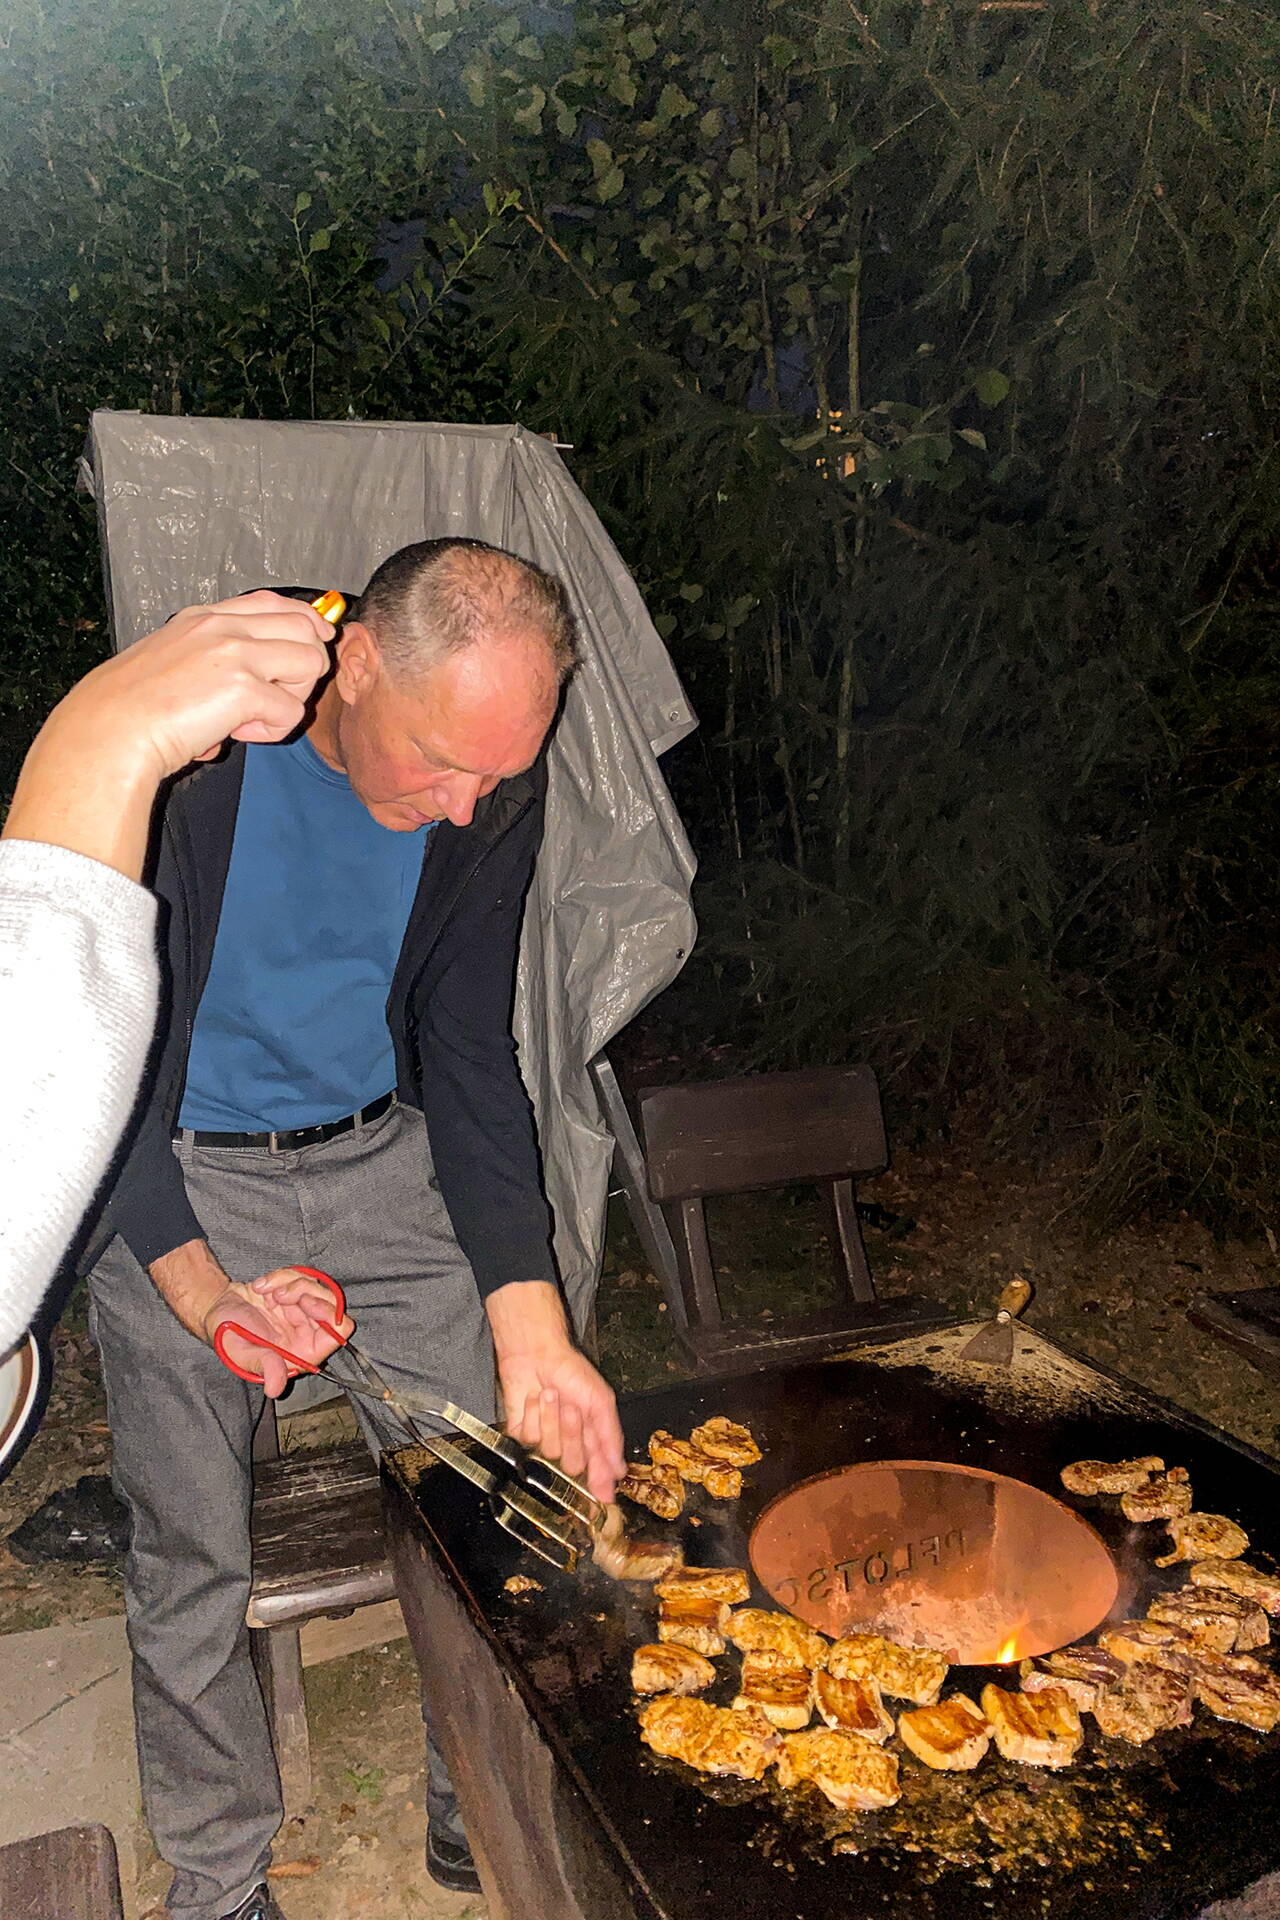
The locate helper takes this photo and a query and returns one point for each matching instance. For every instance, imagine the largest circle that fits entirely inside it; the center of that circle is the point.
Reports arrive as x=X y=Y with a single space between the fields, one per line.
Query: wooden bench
x=317 y=1551
x=68 y=1875
x=1248 y=1321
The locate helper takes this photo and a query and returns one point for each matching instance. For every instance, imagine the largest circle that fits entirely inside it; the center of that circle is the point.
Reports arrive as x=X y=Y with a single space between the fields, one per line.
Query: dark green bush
x=923 y=361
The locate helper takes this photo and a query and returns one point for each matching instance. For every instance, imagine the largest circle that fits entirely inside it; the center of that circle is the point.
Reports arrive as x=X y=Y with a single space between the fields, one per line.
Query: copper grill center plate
x=980 y=1567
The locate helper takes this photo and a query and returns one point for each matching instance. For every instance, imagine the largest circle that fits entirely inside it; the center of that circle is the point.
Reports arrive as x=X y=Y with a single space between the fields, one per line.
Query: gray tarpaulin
x=196 y=509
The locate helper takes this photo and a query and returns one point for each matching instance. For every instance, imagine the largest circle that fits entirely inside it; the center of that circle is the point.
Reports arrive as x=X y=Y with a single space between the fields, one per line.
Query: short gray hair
x=437 y=597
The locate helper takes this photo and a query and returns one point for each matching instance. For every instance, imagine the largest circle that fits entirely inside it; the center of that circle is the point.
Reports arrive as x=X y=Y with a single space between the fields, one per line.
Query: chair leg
x=277 y=1656
x=628 y=1169
x=852 y=1268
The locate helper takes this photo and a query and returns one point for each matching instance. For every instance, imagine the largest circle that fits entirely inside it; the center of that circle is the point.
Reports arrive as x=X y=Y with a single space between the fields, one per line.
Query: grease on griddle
x=1040 y=1380
x=1011 y=1827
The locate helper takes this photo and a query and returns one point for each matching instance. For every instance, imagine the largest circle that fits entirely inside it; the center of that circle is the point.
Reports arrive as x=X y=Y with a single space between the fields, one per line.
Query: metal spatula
x=994 y=1342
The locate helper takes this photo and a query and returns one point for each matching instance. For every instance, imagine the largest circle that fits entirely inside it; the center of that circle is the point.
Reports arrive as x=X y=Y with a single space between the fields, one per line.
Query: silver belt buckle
x=272 y=1146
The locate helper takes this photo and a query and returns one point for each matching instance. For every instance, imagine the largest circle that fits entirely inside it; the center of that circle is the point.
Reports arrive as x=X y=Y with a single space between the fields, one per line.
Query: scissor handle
x=339 y=1297
x=295 y=1363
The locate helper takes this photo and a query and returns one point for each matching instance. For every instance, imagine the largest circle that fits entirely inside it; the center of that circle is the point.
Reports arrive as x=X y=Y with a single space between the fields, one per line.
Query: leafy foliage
x=922 y=357
x=206 y=212
x=925 y=359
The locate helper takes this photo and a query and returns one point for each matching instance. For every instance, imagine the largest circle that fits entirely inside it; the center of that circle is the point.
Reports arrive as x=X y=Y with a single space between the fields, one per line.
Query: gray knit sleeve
x=78 y=995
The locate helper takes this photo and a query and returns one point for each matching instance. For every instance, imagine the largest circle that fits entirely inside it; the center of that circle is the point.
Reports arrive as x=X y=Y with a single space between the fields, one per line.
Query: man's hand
x=284 y=1306
x=289 y=1310
x=556 y=1402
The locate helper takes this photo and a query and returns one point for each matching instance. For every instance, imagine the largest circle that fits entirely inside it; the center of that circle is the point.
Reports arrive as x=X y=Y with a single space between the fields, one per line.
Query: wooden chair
x=68 y=1875
x=821 y=1125
x=318 y=1551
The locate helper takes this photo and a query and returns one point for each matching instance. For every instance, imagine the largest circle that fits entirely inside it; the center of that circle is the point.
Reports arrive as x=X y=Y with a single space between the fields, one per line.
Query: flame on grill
x=1008 y=1652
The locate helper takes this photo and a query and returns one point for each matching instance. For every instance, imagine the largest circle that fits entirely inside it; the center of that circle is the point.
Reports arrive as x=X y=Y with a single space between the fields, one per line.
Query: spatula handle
x=1014 y=1298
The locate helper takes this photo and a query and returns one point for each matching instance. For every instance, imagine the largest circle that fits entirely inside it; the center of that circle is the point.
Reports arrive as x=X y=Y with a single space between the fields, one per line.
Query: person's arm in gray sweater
x=78 y=974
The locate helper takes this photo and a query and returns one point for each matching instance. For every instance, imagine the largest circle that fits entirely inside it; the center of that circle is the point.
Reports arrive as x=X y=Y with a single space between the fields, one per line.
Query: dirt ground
x=358 y=1851
x=947 y=1225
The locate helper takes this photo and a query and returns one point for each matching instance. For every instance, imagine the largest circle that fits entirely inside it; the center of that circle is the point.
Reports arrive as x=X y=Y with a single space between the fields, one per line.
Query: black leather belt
x=297 y=1137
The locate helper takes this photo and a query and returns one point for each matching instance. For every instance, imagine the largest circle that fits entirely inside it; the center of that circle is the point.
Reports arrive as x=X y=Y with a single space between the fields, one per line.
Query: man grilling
x=335 y=1085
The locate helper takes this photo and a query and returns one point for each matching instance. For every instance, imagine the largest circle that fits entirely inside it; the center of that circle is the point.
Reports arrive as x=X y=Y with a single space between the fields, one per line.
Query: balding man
x=337 y=1087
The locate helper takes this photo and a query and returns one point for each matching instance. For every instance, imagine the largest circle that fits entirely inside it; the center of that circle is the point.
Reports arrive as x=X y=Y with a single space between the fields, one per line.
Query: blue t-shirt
x=292 y=1028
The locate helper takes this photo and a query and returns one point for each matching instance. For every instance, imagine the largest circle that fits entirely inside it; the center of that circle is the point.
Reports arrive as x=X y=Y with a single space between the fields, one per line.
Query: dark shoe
x=258 y=1906
x=450 y=1864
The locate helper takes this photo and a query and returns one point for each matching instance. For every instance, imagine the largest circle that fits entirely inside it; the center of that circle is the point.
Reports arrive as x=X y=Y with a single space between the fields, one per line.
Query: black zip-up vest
x=449 y=1013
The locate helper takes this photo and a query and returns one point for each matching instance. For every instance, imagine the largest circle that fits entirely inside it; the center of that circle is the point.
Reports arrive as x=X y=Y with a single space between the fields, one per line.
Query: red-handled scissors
x=294 y=1361
x=529 y=1496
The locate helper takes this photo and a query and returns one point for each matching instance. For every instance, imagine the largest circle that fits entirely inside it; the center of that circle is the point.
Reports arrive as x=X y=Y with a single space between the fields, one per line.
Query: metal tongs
x=541 y=1507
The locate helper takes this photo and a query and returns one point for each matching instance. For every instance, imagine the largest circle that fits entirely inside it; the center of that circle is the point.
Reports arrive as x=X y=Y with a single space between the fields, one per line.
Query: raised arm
x=78 y=979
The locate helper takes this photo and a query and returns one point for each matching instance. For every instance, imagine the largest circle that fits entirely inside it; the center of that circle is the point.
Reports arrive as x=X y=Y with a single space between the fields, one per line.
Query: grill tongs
x=541 y=1507
x=538 y=1504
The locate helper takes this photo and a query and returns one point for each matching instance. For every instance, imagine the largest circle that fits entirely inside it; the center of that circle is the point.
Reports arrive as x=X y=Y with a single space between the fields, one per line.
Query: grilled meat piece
x=623 y=1558
x=689 y=1461
x=725 y=1440
x=692 y=1621
x=1163 y=1497
x=908 y=1673
x=677 y=1727
x=1214 y=1618
x=741 y=1743
x=711 y=1583
x=1036 y=1729
x=1205 y=1660
x=1081 y=1672
x=1236 y=1576
x=751 y=1629
x=758 y=1660
x=1149 y=1700
x=1083 y=1663
x=670 y=1668
x=951 y=1737
x=854 y=1705
x=722 y=1482
x=1234 y=1687
x=783 y=1694
x=1082 y=1694
x=1144 y=1639
x=522 y=1583
x=1196 y=1536
x=658 y=1488
x=712 y=1739
x=644 y=1560
x=852 y=1773
x=1110 y=1476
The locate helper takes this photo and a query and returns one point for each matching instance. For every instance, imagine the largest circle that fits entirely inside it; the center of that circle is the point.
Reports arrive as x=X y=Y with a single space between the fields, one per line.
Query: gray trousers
x=365 y=1208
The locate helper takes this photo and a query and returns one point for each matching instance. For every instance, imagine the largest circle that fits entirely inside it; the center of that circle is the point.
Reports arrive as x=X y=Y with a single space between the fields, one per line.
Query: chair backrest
x=821 y=1125
x=762 y=1130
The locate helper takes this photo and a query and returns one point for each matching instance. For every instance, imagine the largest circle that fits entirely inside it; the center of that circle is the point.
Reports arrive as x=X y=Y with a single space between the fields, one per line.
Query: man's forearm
x=190 y=1281
x=527 y=1316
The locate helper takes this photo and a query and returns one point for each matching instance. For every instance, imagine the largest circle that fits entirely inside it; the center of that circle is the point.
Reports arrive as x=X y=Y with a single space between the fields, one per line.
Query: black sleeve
x=146 y=1202
x=148 y=1206
x=479 y=1118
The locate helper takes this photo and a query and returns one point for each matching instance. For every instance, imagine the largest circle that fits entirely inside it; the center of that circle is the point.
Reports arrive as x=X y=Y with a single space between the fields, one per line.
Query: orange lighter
x=330 y=606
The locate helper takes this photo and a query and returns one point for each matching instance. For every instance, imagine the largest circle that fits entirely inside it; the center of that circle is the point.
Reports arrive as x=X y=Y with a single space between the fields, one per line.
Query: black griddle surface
x=1162 y=1831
